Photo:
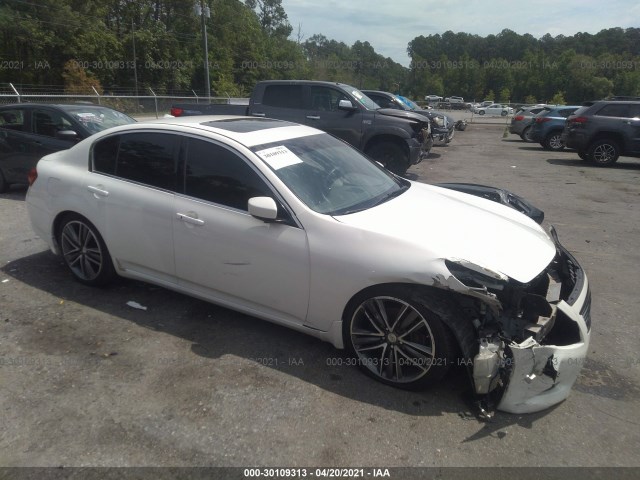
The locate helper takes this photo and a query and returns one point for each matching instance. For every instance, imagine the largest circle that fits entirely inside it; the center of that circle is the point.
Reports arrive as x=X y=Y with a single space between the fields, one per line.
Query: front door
x=225 y=254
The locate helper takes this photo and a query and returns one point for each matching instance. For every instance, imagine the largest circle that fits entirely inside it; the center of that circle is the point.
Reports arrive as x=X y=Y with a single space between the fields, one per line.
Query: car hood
x=392 y=112
x=453 y=225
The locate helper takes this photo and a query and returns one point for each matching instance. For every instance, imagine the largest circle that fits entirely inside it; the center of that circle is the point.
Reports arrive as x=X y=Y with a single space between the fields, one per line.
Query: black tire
x=503 y=113
x=391 y=155
x=583 y=155
x=84 y=251
x=481 y=112
x=394 y=336
x=553 y=142
x=603 y=152
x=526 y=135
x=3 y=184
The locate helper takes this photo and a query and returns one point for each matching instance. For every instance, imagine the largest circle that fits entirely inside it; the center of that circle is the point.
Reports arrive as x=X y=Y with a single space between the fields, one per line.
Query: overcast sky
x=390 y=26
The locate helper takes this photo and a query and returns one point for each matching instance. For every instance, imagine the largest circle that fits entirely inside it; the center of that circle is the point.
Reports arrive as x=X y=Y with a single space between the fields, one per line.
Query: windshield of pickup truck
x=330 y=176
x=363 y=99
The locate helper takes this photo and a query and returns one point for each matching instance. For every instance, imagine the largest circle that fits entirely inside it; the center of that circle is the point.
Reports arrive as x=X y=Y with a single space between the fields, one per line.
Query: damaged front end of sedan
x=533 y=337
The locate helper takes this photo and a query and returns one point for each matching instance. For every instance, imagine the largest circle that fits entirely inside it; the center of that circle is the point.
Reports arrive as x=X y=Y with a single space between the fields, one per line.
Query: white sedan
x=289 y=224
x=495 y=109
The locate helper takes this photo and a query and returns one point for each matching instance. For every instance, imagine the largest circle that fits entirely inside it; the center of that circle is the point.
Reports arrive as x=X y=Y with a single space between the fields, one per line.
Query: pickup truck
x=395 y=138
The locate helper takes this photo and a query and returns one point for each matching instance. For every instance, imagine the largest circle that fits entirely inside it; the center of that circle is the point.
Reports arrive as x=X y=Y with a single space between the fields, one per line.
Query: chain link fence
x=135 y=105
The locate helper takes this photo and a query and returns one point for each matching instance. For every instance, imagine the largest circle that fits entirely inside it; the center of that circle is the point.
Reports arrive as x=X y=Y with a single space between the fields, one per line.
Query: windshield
x=410 y=103
x=328 y=175
x=362 y=98
x=97 y=119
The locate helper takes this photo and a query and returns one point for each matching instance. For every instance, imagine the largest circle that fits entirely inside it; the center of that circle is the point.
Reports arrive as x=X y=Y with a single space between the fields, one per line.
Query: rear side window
x=219 y=175
x=148 y=158
x=283 y=96
x=614 y=110
x=12 y=119
x=565 y=112
x=105 y=154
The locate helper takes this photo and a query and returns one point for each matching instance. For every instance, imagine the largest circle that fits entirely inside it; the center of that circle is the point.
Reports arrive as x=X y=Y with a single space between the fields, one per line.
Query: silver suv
x=601 y=131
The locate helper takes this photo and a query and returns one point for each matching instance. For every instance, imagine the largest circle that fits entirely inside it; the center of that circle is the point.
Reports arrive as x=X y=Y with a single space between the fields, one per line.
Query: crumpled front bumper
x=541 y=375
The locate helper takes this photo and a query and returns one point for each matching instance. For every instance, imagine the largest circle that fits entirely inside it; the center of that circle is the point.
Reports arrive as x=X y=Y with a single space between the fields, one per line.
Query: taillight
x=518 y=118
x=543 y=119
x=32 y=176
x=581 y=120
x=176 y=112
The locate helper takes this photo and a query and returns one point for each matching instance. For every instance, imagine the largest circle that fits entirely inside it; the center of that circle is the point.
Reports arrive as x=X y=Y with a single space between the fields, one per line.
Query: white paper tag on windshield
x=278 y=157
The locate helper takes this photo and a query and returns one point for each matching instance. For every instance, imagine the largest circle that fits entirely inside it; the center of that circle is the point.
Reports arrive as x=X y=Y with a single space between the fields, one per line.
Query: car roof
x=248 y=131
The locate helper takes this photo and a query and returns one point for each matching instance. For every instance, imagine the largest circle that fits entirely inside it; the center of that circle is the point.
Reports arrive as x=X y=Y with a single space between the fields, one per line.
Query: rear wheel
x=84 y=252
x=603 y=152
x=481 y=112
x=553 y=141
x=396 y=338
x=391 y=155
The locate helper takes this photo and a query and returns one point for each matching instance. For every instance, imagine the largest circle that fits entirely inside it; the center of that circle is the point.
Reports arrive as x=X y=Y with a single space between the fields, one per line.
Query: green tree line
x=119 y=45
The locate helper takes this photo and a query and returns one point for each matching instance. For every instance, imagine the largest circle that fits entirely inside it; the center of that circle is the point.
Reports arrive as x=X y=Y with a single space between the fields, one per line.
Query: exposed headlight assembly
x=475 y=276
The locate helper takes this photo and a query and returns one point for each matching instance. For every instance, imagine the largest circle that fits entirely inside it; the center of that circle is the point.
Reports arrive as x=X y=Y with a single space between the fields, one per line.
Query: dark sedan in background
x=30 y=131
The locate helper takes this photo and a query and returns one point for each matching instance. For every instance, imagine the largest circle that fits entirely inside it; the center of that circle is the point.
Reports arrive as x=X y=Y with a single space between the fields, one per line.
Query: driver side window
x=218 y=175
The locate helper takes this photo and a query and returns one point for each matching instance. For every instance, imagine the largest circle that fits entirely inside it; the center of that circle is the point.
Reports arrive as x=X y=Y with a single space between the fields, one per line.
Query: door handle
x=190 y=217
x=98 y=191
x=258 y=114
x=313 y=117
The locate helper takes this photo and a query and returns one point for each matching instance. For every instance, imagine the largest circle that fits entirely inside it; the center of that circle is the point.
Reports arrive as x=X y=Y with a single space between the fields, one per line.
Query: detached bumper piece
x=541 y=370
x=531 y=361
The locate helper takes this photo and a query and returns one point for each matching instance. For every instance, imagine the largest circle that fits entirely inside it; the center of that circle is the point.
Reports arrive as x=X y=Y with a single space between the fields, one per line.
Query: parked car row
x=599 y=131
x=494 y=109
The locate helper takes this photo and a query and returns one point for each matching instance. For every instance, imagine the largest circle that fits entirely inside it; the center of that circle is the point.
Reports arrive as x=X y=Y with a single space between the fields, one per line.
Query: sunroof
x=246 y=125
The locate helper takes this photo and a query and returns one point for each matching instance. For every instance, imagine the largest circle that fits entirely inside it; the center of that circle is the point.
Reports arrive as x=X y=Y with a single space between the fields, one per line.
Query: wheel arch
x=608 y=135
x=444 y=303
x=383 y=138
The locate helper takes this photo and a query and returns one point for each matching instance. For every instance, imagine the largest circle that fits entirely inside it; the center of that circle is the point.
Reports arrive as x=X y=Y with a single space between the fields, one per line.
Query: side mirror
x=346 y=105
x=68 y=135
x=264 y=208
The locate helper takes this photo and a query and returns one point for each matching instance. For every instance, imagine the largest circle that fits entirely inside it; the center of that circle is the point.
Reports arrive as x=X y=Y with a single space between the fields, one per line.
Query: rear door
x=280 y=101
x=131 y=191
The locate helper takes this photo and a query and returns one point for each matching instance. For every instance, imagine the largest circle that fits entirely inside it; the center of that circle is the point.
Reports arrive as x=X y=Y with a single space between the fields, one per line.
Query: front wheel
x=84 y=252
x=481 y=112
x=503 y=113
x=603 y=152
x=553 y=142
x=397 y=339
x=391 y=155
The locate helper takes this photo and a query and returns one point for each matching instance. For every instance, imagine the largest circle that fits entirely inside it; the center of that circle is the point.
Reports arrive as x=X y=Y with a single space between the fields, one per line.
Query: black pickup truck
x=395 y=138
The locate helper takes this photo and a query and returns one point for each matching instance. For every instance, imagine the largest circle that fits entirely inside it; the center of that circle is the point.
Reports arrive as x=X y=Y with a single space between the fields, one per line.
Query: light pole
x=204 y=12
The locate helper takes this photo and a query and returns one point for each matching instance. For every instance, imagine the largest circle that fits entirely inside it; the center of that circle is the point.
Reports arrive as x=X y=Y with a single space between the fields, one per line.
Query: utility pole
x=135 y=67
x=204 y=12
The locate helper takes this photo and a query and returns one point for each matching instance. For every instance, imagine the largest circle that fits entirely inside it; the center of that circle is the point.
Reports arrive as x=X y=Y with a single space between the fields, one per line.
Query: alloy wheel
x=81 y=250
x=392 y=339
